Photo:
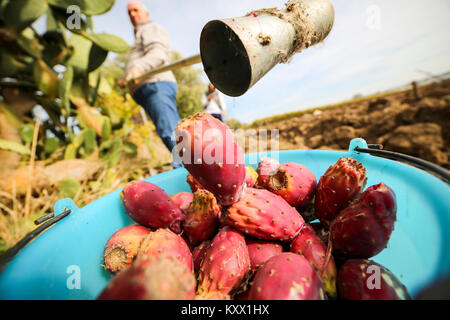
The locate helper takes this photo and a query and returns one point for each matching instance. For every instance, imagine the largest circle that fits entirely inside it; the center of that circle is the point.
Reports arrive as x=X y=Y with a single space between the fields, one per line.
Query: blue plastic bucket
x=65 y=261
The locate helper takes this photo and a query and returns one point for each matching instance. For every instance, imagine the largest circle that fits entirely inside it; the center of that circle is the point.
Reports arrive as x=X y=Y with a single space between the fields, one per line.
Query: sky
x=374 y=45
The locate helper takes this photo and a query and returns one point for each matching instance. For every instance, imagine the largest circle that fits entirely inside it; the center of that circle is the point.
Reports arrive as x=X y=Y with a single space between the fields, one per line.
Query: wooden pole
x=176 y=65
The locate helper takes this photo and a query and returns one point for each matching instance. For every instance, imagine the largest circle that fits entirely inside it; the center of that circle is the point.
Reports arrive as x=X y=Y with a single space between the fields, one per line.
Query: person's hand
x=133 y=74
x=122 y=83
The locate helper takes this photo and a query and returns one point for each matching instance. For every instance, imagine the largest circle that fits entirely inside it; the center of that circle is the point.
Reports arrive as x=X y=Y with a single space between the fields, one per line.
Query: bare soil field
x=400 y=121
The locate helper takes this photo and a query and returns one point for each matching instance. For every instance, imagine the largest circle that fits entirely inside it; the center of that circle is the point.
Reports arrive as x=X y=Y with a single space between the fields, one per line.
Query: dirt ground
x=400 y=122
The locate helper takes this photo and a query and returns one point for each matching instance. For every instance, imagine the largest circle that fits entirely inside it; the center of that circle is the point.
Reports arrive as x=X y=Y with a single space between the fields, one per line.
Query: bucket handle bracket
x=62 y=209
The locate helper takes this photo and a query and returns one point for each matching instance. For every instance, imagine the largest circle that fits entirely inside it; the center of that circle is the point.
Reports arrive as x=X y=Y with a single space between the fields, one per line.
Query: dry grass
x=16 y=219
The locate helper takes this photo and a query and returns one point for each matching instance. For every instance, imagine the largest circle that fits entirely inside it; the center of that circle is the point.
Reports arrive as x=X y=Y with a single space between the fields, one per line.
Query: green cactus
x=31 y=62
x=14 y=146
x=89 y=141
x=96 y=58
x=106 y=128
x=55 y=49
x=88 y=7
x=51 y=145
x=68 y=188
x=107 y=42
x=130 y=148
x=84 y=144
x=51 y=22
x=10 y=66
x=26 y=132
x=65 y=87
x=70 y=152
x=46 y=79
x=18 y=14
x=28 y=43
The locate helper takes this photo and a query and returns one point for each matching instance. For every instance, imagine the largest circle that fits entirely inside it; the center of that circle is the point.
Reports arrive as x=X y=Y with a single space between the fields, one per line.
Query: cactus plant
x=28 y=59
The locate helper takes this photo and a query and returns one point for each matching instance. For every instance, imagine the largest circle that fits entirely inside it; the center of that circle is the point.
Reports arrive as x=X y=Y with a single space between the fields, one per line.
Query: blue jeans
x=158 y=100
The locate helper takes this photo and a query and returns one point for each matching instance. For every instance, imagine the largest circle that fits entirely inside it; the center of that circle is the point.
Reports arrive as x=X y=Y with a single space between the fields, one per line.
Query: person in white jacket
x=214 y=103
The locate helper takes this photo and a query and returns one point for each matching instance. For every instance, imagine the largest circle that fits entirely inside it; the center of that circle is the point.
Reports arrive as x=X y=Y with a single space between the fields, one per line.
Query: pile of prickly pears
x=271 y=234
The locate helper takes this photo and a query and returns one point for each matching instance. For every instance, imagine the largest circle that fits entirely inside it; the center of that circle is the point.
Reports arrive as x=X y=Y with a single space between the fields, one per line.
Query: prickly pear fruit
x=264 y=215
x=193 y=183
x=260 y=251
x=266 y=167
x=309 y=245
x=202 y=217
x=322 y=232
x=183 y=200
x=198 y=254
x=209 y=151
x=250 y=177
x=122 y=247
x=165 y=243
x=243 y=295
x=360 y=279
x=287 y=276
x=215 y=295
x=340 y=184
x=151 y=206
x=151 y=279
x=225 y=265
x=363 y=229
x=294 y=182
x=307 y=212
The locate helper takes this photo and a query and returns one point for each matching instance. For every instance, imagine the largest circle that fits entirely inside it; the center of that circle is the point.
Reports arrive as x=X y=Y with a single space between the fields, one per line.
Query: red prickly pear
x=151 y=279
x=193 y=183
x=266 y=167
x=307 y=212
x=225 y=265
x=250 y=177
x=198 y=254
x=361 y=279
x=151 y=206
x=215 y=295
x=183 y=200
x=340 y=184
x=243 y=295
x=294 y=182
x=363 y=229
x=322 y=232
x=260 y=251
x=165 y=243
x=287 y=276
x=264 y=215
x=122 y=247
x=383 y=201
x=202 y=217
x=210 y=153
x=309 y=245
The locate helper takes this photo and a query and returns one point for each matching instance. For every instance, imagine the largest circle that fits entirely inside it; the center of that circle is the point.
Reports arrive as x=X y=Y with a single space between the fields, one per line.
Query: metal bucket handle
x=359 y=148
x=61 y=209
